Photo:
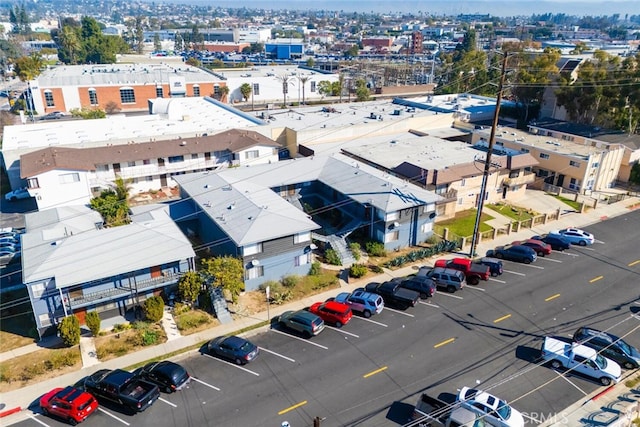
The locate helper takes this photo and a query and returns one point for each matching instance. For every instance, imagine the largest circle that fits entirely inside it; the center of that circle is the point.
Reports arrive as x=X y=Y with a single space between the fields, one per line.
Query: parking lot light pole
x=487 y=163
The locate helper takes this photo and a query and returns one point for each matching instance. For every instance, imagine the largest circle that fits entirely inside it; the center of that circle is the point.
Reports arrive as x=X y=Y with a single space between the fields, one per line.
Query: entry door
x=560 y=180
x=163 y=180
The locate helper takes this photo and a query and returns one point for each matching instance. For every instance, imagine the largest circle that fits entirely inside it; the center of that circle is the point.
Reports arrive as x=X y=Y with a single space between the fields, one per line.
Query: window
x=574 y=164
x=33 y=183
x=216 y=91
x=524 y=150
x=460 y=200
x=159 y=92
x=146 y=162
x=462 y=182
x=595 y=164
x=252 y=154
x=254 y=272
x=102 y=168
x=44 y=319
x=194 y=156
x=544 y=156
x=37 y=290
x=131 y=164
x=69 y=178
x=176 y=159
x=196 y=90
x=252 y=249
x=256 y=89
x=149 y=178
x=393 y=236
x=514 y=174
x=48 y=97
x=313 y=86
x=93 y=96
x=302 y=237
x=127 y=96
x=303 y=259
x=574 y=184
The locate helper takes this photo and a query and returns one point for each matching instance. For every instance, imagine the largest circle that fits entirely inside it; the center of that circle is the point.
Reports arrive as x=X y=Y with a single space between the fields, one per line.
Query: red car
x=539 y=246
x=70 y=404
x=333 y=312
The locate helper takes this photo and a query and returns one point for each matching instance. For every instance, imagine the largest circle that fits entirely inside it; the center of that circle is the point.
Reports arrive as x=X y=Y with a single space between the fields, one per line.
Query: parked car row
x=10 y=246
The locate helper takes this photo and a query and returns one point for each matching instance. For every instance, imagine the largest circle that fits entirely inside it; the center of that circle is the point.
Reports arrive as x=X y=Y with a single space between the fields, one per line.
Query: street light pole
x=487 y=162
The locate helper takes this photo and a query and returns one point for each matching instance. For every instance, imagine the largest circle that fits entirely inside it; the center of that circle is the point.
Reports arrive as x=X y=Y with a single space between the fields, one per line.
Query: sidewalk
x=25 y=397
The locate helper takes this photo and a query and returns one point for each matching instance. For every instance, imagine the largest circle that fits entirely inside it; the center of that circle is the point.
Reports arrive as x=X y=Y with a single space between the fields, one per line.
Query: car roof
x=596 y=333
x=336 y=305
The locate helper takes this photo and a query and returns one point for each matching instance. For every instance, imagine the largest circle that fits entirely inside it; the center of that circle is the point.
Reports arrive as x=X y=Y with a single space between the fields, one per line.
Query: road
x=371 y=371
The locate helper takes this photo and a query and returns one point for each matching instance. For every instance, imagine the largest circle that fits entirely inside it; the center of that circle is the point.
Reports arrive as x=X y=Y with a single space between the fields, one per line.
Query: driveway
x=540 y=202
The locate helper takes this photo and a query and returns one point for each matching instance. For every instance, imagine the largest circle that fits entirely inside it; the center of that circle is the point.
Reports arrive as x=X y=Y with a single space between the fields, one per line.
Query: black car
x=494 y=264
x=168 y=376
x=234 y=348
x=557 y=243
x=518 y=253
x=425 y=286
x=609 y=346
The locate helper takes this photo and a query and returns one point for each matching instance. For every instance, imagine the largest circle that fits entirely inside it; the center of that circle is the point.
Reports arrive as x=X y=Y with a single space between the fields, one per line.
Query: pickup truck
x=580 y=359
x=473 y=272
x=394 y=294
x=123 y=388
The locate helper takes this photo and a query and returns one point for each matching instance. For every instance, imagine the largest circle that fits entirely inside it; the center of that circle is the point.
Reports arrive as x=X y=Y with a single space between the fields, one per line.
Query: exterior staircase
x=219 y=304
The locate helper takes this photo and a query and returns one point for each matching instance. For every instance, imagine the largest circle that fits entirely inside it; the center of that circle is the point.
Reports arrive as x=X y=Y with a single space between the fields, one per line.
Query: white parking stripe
x=343 y=332
x=369 y=320
x=299 y=339
x=586 y=249
x=429 y=304
x=569 y=381
x=533 y=266
x=113 y=416
x=477 y=288
x=567 y=253
x=232 y=364
x=549 y=259
x=399 y=312
x=207 y=384
x=599 y=241
x=168 y=403
x=277 y=354
x=497 y=280
x=449 y=295
x=514 y=272
x=33 y=417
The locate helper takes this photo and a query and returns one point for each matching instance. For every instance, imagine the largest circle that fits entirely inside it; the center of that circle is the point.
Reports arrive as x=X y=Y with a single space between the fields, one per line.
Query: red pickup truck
x=473 y=272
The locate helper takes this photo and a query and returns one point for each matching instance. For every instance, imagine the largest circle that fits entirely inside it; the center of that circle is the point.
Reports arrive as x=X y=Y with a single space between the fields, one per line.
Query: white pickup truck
x=581 y=359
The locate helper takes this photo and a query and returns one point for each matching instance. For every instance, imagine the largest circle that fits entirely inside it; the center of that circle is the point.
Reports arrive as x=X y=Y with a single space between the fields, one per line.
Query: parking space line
x=203 y=383
x=449 y=295
x=377 y=371
x=595 y=279
x=567 y=253
x=514 y=272
x=369 y=320
x=549 y=259
x=569 y=381
x=232 y=364
x=586 y=249
x=552 y=297
x=277 y=354
x=33 y=417
x=599 y=241
x=168 y=403
x=445 y=342
x=477 y=288
x=631 y=264
x=399 y=312
x=500 y=319
x=291 y=408
x=533 y=266
x=429 y=304
x=496 y=280
x=299 y=339
x=343 y=332
x=113 y=416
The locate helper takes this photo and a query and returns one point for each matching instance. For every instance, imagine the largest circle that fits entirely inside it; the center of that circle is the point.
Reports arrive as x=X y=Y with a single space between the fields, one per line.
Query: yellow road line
x=377 y=371
x=291 y=408
x=552 y=297
x=631 y=264
x=500 y=319
x=445 y=342
x=595 y=279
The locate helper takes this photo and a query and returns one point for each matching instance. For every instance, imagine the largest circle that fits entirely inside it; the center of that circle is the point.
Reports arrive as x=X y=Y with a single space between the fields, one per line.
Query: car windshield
x=503 y=410
x=601 y=362
x=626 y=348
x=246 y=346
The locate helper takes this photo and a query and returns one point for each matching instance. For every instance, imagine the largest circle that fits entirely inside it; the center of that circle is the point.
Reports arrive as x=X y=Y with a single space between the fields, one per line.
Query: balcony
x=527 y=178
x=449 y=196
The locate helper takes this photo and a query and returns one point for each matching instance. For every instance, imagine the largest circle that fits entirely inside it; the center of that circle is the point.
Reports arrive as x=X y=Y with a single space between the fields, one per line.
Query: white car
x=497 y=411
x=575 y=236
x=20 y=193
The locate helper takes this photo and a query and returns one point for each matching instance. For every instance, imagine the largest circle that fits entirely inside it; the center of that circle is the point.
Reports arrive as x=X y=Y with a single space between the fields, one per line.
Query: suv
x=609 y=346
x=70 y=404
x=308 y=324
x=363 y=302
x=167 y=375
x=446 y=278
x=332 y=312
x=425 y=286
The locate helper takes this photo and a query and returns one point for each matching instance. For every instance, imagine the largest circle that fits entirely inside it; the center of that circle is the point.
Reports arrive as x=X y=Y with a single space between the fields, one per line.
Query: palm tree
x=245 y=90
x=341 y=83
x=224 y=91
x=303 y=82
x=70 y=42
x=286 y=81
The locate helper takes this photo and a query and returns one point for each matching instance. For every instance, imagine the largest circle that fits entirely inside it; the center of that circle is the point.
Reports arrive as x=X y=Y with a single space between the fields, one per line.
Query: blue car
x=519 y=253
x=558 y=243
x=236 y=349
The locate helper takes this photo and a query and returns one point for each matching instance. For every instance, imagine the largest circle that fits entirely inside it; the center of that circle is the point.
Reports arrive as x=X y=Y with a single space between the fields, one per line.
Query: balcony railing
x=527 y=178
x=448 y=196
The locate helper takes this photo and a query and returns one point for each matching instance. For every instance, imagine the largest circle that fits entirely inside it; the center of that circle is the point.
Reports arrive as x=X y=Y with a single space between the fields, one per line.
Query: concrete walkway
x=24 y=397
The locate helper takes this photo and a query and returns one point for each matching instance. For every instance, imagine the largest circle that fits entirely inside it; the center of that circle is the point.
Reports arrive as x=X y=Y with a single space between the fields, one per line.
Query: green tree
x=634 y=175
x=28 y=67
x=224 y=93
x=362 y=91
x=226 y=272
x=157 y=46
x=311 y=62
x=153 y=308
x=92 y=319
x=246 y=90
x=286 y=81
x=70 y=44
x=194 y=62
x=190 y=286
x=139 y=35
x=69 y=330
x=113 y=210
x=325 y=88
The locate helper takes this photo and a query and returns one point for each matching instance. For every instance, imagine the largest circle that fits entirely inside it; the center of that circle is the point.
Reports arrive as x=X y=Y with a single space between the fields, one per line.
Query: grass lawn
x=463 y=223
x=572 y=203
x=513 y=212
x=38 y=366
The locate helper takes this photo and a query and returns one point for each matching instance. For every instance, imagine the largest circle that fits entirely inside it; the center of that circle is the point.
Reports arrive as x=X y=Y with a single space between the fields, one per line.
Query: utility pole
x=487 y=162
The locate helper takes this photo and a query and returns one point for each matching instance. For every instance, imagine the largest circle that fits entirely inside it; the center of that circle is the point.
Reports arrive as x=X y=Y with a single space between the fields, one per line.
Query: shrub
x=376 y=269
x=375 y=249
x=69 y=329
x=61 y=359
x=180 y=308
x=149 y=337
x=192 y=320
x=271 y=284
x=153 y=308
x=433 y=239
x=120 y=327
x=331 y=256
x=92 y=319
x=290 y=281
x=315 y=269
x=31 y=372
x=358 y=270
x=355 y=249
x=278 y=294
